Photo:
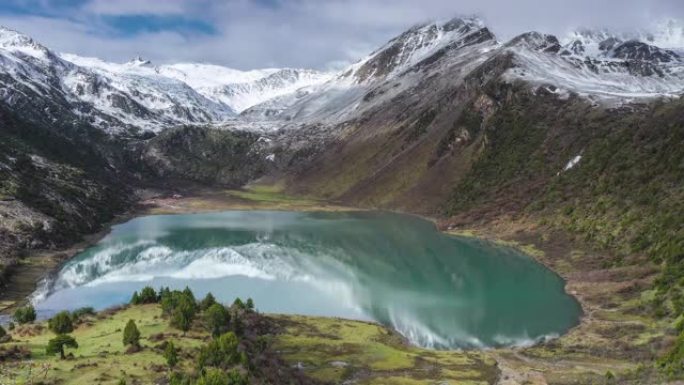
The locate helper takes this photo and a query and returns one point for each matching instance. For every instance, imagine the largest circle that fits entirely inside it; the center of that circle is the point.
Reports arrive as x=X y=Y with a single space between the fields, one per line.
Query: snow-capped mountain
x=597 y=64
x=137 y=95
x=115 y=102
x=235 y=89
x=396 y=67
x=242 y=89
x=417 y=44
x=141 y=96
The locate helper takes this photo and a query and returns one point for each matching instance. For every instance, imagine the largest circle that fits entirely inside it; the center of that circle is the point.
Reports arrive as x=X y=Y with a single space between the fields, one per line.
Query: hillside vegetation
x=224 y=345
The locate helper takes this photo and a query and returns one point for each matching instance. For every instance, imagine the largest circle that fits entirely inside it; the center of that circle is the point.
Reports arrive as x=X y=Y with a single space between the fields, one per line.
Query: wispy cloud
x=296 y=33
x=135 y=7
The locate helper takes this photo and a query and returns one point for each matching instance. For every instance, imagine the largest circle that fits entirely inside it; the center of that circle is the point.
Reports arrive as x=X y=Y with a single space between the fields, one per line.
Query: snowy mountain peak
x=599 y=64
x=589 y=42
x=419 y=43
x=10 y=38
x=139 y=62
x=14 y=41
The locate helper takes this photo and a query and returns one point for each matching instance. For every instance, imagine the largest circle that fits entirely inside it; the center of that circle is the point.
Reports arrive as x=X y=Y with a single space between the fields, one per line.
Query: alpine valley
x=570 y=149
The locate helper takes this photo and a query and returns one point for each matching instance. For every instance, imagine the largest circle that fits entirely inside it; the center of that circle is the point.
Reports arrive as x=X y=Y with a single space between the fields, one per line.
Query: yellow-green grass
x=101 y=357
x=271 y=195
x=329 y=349
x=337 y=350
x=254 y=197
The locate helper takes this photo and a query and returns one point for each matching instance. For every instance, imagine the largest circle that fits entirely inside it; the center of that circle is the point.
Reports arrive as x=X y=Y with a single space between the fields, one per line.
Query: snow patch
x=572 y=163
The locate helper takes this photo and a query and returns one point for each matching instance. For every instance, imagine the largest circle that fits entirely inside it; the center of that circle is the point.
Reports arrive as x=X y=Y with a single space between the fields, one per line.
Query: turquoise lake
x=439 y=291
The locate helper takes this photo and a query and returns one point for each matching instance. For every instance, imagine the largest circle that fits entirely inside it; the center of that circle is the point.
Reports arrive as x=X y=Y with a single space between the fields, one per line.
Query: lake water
x=437 y=290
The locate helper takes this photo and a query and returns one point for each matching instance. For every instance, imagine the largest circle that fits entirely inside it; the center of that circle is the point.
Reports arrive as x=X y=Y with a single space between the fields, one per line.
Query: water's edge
x=142 y=210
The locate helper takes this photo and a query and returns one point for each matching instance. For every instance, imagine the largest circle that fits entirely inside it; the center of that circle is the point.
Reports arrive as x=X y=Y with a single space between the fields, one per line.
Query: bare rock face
x=638 y=51
x=537 y=41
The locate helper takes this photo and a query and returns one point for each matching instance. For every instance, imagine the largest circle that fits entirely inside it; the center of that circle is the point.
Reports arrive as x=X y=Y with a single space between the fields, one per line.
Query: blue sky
x=294 y=33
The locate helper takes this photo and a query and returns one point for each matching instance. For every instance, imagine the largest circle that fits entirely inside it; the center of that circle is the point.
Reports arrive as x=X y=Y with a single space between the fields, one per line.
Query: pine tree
x=171 y=354
x=148 y=295
x=61 y=323
x=131 y=335
x=57 y=344
x=207 y=301
x=217 y=319
x=24 y=315
x=183 y=313
x=188 y=293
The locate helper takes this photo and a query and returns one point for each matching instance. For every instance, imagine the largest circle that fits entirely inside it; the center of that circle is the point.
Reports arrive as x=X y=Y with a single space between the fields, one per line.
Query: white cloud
x=135 y=7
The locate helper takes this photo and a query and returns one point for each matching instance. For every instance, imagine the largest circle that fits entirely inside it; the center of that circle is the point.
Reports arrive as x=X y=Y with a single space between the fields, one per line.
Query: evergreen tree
x=207 y=302
x=61 y=323
x=221 y=352
x=131 y=335
x=188 y=293
x=217 y=319
x=184 y=312
x=238 y=304
x=135 y=299
x=148 y=295
x=249 y=304
x=171 y=355
x=24 y=315
x=57 y=344
x=180 y=320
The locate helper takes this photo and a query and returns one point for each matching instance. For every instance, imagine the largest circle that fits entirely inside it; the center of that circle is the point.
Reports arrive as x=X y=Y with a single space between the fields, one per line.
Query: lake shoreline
x=518 y=235
x=24 y=277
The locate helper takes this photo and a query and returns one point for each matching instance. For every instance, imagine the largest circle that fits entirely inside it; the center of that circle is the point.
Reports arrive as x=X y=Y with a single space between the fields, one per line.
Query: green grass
x=329 y=349
x=100 y=357
x=337 y=350
x=269 y=194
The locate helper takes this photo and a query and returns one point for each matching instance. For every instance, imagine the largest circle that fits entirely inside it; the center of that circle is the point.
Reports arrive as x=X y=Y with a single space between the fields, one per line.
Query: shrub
x=135 y=299
x=3 y=332
x=11 y=326
x=217 y=319
x=78 y=313
x=61 y=323
x=57 y=344
x=217 y=377
x=673 y=361
x=221 y=352
x=24 y=315
x=131 y=334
